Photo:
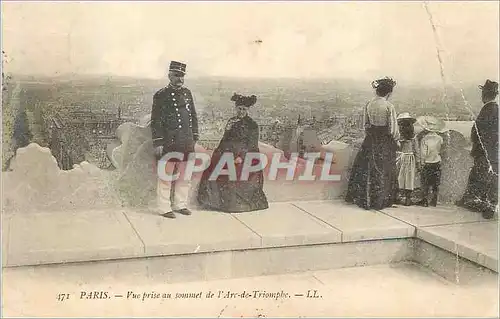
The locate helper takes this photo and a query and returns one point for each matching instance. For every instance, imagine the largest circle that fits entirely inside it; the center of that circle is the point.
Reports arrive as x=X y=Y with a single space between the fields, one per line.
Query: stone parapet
x=36 y=183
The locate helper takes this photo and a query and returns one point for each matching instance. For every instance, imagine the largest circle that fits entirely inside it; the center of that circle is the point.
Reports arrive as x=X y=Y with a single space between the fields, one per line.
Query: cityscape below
x=77 y=118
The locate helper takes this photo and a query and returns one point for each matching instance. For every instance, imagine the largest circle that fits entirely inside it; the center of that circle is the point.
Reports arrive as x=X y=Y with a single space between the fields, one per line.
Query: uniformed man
x=174 y=128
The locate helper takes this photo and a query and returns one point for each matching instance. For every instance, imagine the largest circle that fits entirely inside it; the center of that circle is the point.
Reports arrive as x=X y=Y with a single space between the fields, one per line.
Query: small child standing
x=430 y=149
x=407 y=154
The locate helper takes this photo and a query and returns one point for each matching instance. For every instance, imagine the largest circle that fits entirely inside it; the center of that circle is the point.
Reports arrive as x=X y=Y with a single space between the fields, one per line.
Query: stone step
x=239 y=263
x=273 y=261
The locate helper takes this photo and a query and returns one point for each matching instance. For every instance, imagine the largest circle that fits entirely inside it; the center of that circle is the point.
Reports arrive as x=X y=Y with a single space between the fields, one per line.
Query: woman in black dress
x=372 y=184
x=240 y=137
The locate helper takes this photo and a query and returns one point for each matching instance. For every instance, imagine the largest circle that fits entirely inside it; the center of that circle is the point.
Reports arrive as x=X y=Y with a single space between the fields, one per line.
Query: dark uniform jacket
x=174 y=123
x=484 y=134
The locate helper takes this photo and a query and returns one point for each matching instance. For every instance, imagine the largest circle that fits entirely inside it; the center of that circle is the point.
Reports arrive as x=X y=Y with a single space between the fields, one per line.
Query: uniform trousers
x=173 y=195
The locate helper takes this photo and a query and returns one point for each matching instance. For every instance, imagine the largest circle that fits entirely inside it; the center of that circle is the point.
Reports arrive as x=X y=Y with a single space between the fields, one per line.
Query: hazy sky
x=321 y=39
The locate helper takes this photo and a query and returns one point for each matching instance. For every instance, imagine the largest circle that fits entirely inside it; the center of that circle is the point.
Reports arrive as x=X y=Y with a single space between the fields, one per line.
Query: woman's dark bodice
x=242 y=134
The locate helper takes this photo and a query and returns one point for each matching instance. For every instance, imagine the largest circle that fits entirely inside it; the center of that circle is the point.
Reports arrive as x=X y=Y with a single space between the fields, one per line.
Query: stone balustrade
x=36 y=183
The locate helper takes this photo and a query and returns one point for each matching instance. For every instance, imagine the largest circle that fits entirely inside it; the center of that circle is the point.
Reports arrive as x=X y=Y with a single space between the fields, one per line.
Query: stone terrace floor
x=58 y=237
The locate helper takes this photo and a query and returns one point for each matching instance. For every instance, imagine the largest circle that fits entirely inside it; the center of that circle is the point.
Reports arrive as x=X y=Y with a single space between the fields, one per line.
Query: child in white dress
x=407 y=163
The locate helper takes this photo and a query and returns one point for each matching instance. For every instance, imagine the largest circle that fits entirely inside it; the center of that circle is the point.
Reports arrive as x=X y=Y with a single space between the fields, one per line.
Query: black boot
x=168 y=215
x=407 y=198
x=423 y=202
x=461 y=203
x=488 y=214
x=425 y=195
x=408 y=201
x=488 y=209
x=157 y=211
x=184 y=211
x=434 y=198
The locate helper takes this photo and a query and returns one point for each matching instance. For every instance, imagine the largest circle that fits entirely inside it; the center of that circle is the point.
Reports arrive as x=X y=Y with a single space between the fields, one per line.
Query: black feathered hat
x=247 y=101
x=387 y=82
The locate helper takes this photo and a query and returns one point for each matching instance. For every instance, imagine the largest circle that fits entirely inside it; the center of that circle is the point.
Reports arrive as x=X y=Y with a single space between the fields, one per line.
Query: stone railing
x=36 y=183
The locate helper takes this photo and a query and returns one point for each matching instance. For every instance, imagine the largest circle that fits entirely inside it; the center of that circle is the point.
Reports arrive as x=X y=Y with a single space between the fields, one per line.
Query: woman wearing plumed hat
x=241 y=136
x=373 y=180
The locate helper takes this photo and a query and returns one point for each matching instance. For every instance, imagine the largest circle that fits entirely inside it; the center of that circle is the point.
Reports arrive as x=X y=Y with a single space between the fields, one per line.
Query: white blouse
x=380 y=112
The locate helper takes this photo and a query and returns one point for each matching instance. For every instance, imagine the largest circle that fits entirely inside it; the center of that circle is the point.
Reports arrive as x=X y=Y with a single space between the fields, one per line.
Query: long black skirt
x=481 y=194
x=232 y=196
x=373 y=179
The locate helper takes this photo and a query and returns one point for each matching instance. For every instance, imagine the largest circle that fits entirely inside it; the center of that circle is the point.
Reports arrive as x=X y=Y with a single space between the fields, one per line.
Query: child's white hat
x=432 y=124
x=405 y=116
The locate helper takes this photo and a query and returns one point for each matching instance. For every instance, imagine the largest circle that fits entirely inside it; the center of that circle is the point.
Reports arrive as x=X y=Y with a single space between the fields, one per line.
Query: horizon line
x=305 y=79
